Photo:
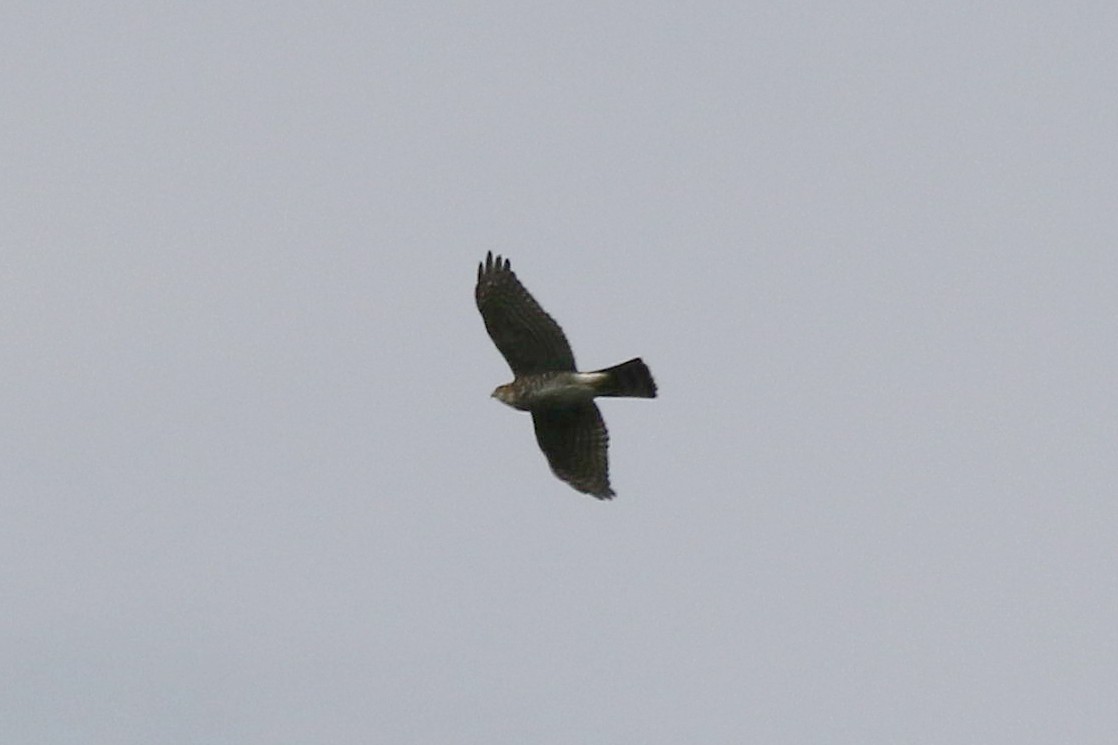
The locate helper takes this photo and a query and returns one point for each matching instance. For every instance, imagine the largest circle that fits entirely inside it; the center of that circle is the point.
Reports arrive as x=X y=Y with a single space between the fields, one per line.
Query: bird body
x=630 y=379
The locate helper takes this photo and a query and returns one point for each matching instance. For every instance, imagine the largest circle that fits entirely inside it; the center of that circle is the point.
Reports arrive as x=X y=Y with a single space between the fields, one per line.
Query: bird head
x=504 y=394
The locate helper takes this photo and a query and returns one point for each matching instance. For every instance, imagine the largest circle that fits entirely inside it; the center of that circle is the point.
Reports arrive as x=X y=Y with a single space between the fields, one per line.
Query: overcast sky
x=254 y=488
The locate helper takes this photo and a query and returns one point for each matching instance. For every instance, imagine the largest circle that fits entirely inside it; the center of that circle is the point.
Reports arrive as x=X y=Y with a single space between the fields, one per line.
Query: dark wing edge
x=576 y=443
x=528 y=338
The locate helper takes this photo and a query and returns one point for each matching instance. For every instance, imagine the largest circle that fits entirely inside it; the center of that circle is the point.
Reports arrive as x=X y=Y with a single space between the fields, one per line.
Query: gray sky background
x=254 y=489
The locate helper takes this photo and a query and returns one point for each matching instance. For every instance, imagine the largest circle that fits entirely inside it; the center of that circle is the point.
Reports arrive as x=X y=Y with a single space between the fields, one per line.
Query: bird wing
x=575 y=441
x=530 y=340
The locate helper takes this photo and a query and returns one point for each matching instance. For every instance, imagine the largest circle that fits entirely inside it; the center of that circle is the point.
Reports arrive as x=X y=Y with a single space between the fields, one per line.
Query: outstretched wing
x=575 y=441
x=530 y=340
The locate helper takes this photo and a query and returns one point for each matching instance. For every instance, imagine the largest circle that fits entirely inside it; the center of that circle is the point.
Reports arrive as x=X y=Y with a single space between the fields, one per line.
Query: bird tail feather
x=630 y=379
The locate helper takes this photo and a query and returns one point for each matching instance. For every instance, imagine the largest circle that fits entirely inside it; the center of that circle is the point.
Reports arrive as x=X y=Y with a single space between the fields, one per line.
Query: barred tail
x=631 y=379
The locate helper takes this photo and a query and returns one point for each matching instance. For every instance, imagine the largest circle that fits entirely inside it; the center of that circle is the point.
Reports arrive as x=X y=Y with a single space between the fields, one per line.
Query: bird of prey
x=569 y=427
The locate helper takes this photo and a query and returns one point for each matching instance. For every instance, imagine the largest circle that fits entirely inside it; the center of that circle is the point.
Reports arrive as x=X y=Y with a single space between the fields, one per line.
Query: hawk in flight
x=569 y=427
